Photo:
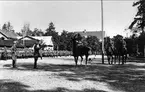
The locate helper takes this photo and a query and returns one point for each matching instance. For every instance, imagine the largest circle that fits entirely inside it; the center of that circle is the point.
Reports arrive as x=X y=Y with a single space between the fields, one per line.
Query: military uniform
x=36 y=50
x=14 y=54
x=37 y=47
x=13 y=51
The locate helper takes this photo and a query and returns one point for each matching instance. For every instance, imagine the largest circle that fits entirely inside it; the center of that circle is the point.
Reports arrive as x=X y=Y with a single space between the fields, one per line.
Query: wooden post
x=144 y=51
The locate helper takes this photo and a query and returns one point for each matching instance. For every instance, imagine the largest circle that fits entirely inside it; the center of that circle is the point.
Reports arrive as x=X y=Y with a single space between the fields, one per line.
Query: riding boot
x=35 y=63
x=14 y=63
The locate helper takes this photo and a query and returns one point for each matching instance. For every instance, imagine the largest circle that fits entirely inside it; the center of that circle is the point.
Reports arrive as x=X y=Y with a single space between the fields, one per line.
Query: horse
x=112 y=51
x=79 y=50
x=121 y=50
x=109 y=50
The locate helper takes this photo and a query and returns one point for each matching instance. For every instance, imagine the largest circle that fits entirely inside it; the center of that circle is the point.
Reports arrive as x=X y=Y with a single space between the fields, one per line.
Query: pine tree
x=139 y=20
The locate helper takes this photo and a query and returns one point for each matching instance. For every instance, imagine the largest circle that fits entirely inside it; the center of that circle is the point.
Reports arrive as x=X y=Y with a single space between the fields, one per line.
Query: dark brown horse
x=112 y=51
x=122 y=50
x=79 y=50
x=109 y=50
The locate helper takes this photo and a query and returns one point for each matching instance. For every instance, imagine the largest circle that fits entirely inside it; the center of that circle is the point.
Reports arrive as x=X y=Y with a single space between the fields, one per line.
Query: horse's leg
x=125 y=57
x=122 y=59
x=115 y=57
x=108 y=57
x=86 y=59
x=41 y=55
x=81 y=59
x=112 y=59
x=76 y=59
x=119 y=59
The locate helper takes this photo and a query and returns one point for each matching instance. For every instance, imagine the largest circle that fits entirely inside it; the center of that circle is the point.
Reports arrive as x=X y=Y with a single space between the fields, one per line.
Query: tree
x=7 y=26
x=139 y=23
x=141 y=43
x=37 y=32
x=139 y=19
x=50 y=31
x=4 y=26
x=69 y=41
x=19 y=33
x=26 y=29
x=131 y=45
x=63 y=40
x=94 y=43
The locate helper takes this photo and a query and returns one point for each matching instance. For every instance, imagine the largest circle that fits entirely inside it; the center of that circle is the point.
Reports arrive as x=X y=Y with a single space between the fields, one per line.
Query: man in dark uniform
x=37 y=47
x=14 y=54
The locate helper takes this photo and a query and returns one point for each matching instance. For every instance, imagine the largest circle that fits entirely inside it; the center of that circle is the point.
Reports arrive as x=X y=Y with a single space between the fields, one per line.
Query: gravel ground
x=60 y=75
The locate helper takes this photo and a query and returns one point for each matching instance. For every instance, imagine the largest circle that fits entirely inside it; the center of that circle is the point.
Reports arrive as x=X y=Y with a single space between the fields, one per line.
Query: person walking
x=37 y=47
x=41 y=50
x=14 y=54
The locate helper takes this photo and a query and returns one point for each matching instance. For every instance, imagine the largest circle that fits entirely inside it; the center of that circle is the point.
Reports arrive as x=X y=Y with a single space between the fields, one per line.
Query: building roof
x=26 y=38
x=8 y=34
x=98 y=34
x=46 y=39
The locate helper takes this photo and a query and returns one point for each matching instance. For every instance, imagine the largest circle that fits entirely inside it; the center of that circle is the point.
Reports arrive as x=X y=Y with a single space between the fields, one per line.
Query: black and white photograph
x=72 y=46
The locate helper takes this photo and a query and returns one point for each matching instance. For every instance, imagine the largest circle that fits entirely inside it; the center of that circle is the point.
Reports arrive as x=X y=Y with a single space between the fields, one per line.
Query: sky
x=69 y=15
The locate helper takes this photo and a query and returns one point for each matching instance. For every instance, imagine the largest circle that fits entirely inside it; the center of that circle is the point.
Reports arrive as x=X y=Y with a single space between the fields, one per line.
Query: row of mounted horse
x=115 y=50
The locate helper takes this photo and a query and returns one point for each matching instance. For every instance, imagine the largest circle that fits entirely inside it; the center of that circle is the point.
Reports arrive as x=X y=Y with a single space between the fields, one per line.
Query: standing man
x=41 y=50
x=14 y=54
x=36 y=53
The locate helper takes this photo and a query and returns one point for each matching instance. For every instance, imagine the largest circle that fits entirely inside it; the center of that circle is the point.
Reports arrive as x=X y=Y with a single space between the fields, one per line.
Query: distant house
x=26 y=41
x=8 y=34
x=47 y=40
x=29 y=41
x=85 y=33
x=7 y=38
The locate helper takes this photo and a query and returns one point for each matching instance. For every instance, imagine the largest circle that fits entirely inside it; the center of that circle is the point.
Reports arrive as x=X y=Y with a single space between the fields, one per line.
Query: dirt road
x=60 y=75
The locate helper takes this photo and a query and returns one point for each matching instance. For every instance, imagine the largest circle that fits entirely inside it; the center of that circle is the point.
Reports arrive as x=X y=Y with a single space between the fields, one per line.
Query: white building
x=47 y=40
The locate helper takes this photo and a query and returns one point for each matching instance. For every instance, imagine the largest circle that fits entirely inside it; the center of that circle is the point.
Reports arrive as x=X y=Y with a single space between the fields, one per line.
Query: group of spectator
x=37 y=51
x=5 y=53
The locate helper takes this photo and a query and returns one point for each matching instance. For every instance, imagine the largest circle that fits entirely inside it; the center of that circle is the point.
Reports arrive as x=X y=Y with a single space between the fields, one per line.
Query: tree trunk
x=144 y=51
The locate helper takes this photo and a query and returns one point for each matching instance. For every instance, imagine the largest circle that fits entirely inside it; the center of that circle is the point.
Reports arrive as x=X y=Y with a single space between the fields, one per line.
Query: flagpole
x=23 y=38
x=24 y=35
x=102 y=26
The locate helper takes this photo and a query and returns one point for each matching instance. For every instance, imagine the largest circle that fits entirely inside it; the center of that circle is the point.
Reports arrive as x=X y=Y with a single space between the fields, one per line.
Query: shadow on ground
x=12 y=86
x=128 y=77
